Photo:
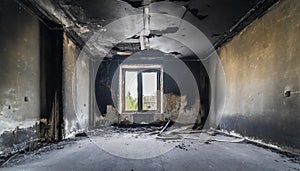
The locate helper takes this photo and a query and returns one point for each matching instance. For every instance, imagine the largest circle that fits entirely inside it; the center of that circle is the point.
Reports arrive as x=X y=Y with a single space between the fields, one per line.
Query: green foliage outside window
x=131 y=103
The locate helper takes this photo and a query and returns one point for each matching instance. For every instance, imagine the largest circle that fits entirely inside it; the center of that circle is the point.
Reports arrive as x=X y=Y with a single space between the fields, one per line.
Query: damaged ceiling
x=217 y=20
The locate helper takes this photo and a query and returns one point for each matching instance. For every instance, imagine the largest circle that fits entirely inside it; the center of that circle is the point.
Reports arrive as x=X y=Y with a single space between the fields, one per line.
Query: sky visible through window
x=149 y=83
x=131 y=83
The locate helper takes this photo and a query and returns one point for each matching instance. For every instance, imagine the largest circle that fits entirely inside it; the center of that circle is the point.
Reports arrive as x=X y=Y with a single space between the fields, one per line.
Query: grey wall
x=31 y=77
x=19 y=75
x=19 y=67
x=70 y=54
x=260 y=64
x=106 y=93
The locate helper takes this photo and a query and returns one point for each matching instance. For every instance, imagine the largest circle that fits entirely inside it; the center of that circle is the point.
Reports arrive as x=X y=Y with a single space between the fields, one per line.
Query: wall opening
x=140 y=89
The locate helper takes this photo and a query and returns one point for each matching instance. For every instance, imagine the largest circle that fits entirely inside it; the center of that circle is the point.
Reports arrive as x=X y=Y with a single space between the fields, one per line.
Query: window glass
x=131 y=91
x=149 y=90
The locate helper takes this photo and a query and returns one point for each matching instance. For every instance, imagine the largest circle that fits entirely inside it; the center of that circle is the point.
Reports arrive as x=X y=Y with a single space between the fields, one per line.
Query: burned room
x=150 y=85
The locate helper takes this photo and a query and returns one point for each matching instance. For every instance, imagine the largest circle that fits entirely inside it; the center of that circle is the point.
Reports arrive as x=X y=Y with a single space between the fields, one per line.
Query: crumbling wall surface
x=262 y=64
x=171 y=105
x=19 y=72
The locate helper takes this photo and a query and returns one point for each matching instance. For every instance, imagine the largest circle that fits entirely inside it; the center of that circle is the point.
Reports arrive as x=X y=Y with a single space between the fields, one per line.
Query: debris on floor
x=152 y=142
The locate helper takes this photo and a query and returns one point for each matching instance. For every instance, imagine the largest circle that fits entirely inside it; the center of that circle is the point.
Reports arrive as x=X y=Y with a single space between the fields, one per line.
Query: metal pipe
x=144 y=37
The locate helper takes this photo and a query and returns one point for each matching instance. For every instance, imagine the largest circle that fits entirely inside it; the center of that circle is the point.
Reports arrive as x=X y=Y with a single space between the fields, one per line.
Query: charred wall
x=51 y=63
x=19 y=73
x=262 y=73
x=107 y=94
x=31 y=79
x=70 y=54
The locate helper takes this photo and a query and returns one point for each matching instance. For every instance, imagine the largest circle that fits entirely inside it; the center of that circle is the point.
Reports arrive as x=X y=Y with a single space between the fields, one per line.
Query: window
x=141 y=88
x=149 y=84
x=131 y=91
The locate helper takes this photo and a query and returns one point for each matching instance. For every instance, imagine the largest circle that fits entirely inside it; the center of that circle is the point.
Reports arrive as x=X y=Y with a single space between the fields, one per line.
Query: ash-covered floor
x=150 y=149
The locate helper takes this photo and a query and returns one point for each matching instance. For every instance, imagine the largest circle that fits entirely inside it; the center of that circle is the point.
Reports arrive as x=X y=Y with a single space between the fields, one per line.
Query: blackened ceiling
x=219 y=20
x=213 y=17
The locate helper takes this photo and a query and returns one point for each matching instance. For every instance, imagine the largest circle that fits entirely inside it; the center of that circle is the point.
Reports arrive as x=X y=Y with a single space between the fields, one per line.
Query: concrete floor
x=129 y=151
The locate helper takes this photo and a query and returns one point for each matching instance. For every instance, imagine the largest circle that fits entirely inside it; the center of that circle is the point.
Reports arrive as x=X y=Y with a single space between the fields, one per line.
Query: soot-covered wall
x=31 y=77
x=107 y=95
x=19 y=73
x=261 y=64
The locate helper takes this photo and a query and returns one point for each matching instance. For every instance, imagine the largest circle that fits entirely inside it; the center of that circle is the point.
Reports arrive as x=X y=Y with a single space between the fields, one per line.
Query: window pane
x=131 y=94
x=149 y=90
